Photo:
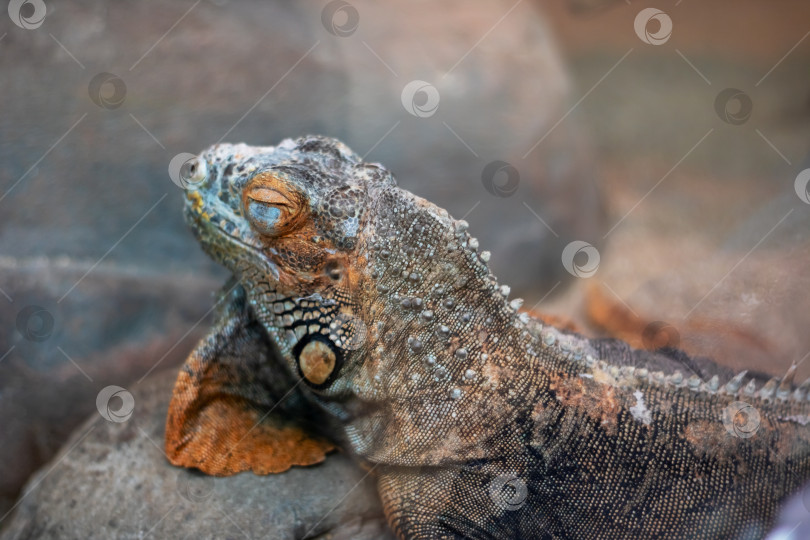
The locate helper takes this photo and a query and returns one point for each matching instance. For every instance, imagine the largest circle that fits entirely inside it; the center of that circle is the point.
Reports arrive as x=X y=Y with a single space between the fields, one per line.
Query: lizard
x=362 y=317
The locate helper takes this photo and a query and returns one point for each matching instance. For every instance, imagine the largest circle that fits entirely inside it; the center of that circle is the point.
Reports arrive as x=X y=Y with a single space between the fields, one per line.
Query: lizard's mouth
x=228 y=239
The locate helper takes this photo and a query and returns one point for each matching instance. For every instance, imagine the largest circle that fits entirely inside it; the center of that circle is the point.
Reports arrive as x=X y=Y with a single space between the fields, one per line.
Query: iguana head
x=374 y=297
x=288 y=220
x=292 y=211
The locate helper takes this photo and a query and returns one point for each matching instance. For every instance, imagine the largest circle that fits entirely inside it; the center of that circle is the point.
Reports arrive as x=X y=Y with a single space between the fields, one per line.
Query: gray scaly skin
x=476 y=420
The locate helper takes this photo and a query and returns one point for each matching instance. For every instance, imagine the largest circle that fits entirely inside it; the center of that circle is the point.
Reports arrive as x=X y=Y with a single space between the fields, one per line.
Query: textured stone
x=112 y=328
x=112 y=480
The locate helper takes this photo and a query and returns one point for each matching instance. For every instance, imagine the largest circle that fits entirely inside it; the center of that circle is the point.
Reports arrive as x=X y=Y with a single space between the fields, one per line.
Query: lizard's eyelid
x=271 y=211
x=269 y=196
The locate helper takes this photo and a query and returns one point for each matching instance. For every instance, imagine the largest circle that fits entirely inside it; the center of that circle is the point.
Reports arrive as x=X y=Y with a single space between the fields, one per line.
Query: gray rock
x=113 y=327
x=112 y=480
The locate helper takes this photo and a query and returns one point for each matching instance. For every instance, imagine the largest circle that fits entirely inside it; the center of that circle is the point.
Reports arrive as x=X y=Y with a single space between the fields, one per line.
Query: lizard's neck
x=446 y=348
x=441 y=321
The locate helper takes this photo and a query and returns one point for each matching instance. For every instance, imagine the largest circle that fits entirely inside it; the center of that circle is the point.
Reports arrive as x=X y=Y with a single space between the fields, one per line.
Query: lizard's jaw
x=228 y=239
x=212 y=213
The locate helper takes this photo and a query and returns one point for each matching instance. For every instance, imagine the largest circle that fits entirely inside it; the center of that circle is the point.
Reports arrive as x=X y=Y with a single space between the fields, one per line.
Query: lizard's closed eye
x=269 y=211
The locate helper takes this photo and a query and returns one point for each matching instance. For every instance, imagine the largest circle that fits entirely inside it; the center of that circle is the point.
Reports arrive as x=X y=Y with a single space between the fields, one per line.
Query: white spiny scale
x=693 y=382
x=713 y=384
x=734 y=384
x=516 y=303
x=767 y=391
x=676 y=378
x=750 y=388
x=628 y=371
x=786 y=385
x=602 y=365
x=801 y=391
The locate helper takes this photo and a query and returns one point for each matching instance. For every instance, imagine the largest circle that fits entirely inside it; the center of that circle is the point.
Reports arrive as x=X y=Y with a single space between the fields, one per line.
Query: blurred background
x=638 y=168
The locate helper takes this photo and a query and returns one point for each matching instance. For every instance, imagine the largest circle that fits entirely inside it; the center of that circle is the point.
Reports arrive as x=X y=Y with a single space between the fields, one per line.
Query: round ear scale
x=318 y=359
x=272 y=205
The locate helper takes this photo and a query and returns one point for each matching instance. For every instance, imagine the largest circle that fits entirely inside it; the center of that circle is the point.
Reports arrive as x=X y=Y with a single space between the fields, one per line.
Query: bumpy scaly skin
x=478 y=421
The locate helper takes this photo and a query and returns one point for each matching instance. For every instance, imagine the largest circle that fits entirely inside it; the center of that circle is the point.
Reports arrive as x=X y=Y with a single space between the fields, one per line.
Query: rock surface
x=113 y=327
x=112 y=480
